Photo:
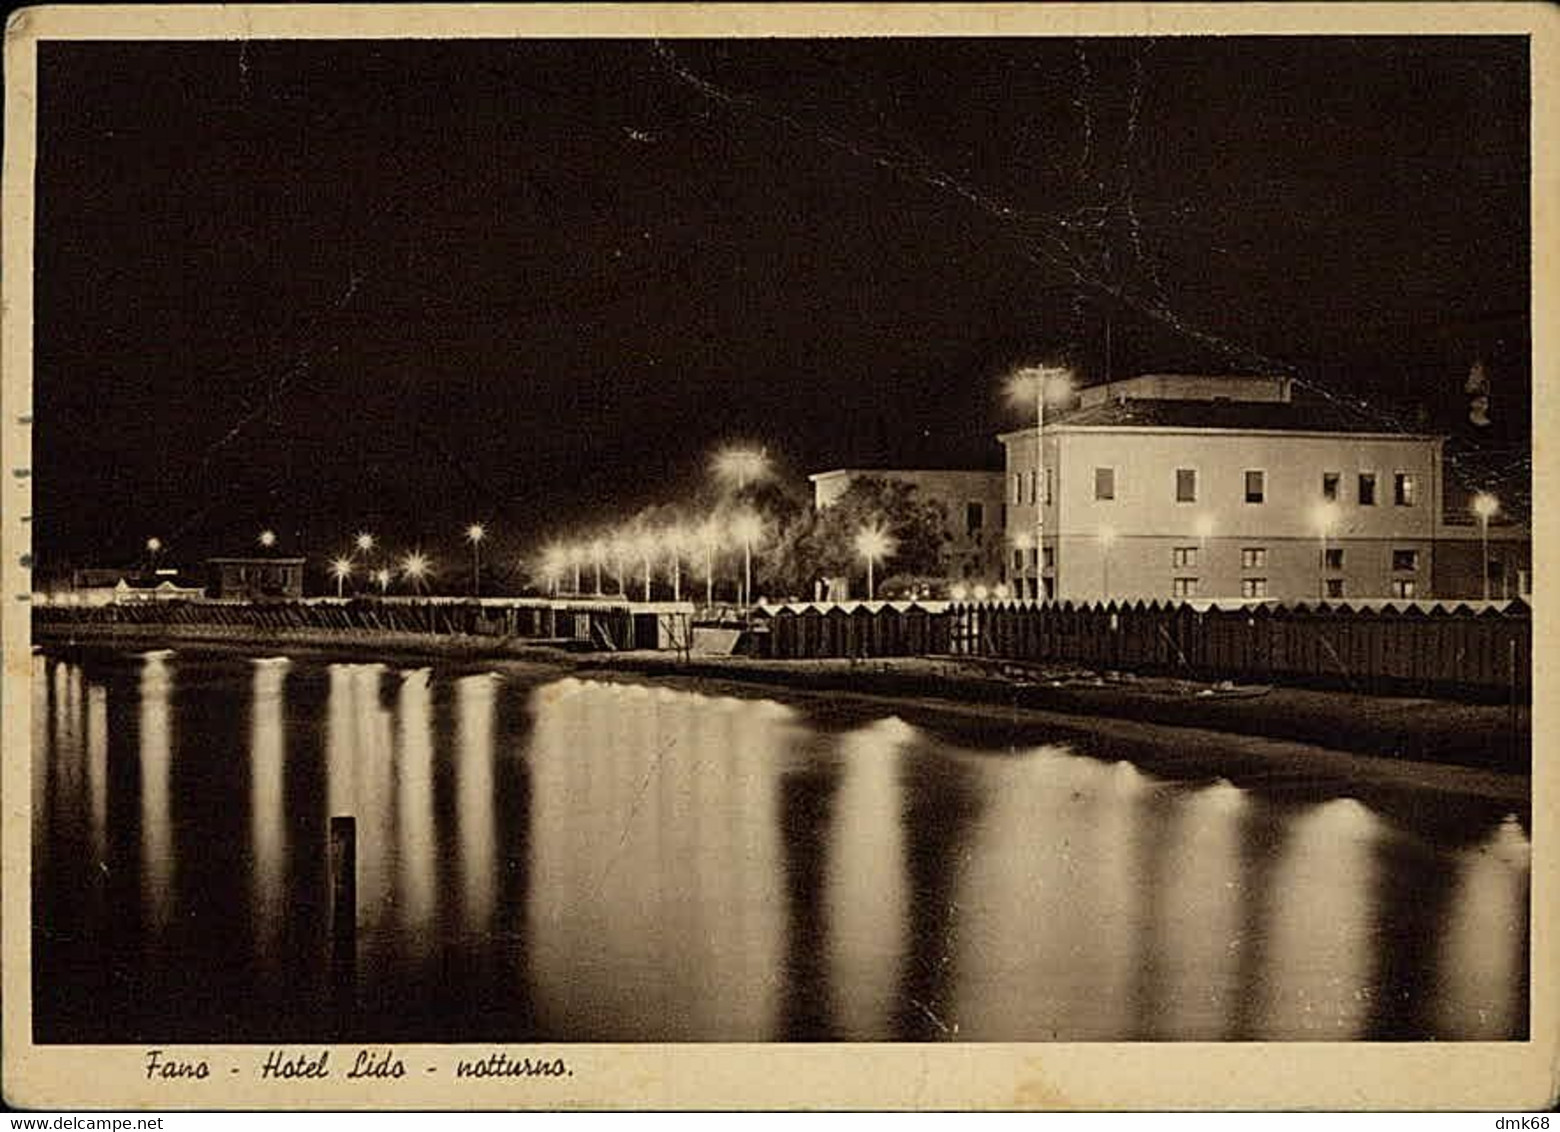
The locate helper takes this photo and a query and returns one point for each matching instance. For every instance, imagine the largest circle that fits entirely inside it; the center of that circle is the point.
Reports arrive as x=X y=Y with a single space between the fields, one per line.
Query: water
x=557 y=859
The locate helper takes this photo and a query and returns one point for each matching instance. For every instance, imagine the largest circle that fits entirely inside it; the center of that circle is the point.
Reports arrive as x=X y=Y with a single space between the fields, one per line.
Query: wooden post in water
x=343 y=889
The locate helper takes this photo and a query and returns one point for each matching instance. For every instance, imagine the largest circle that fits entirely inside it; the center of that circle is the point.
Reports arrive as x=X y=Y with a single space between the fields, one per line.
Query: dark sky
x=403 y=285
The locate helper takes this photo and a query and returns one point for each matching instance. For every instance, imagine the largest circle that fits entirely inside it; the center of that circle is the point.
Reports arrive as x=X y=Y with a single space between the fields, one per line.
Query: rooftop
x=1307 y=414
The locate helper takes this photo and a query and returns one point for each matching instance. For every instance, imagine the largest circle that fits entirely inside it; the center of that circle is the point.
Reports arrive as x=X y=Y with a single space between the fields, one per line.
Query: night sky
x=401 y=286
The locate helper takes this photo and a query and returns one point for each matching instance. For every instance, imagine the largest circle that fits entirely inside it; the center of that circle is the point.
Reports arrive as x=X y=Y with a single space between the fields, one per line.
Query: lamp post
x=154 y=547
x=598 y=550
x=1107 y=537
x=747 y=528
x=709 y=537
x=415 y=567
x=474 y=535
x=341 y=570
x=740 y=466
x=644 y=547
x=1039 y=382
x=1485 y=506
x=382 y=576
x=1326 y=515
x=873 y=543
x=676 y=542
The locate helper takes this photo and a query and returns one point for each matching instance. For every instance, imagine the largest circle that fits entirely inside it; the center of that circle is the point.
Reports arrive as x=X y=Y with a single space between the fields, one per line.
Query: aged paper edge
x=1135 y=1076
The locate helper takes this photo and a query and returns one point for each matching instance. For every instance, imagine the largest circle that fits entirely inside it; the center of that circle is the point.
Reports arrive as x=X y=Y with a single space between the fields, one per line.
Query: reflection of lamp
x=1485 y=506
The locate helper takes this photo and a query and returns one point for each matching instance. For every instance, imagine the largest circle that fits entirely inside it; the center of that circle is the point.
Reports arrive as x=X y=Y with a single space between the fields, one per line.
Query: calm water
x=568 y=860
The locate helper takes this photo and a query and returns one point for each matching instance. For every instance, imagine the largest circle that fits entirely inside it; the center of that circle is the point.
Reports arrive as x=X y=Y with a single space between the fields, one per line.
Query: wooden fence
x=1409 y=649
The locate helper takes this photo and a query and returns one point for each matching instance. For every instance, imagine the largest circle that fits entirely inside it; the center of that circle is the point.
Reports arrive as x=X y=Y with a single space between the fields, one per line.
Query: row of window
x=1405 y=487
x=1258 y=587
x=1255 y=558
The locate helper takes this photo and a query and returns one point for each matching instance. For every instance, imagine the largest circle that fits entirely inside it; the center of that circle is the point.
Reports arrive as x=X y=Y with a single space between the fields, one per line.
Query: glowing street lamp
x=677 y=541
x=364 y=542
x=267 y=539
x=644 y=550
x=747 y=528
x=474 y=535
x=874 y=544
x=154 y=547
x=1035 y=385
x=740 y=466
x=341 y=570
x=1485 y=506
x=554 y=561
x=620 y=551
x=382 y=576
x=415 y=567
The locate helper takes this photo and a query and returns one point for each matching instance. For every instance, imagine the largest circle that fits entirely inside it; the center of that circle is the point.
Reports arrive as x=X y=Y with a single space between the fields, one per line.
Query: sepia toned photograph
x=673 y=539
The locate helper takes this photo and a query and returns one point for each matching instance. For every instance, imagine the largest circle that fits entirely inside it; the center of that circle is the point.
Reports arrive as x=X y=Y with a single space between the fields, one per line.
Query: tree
x=822 y=543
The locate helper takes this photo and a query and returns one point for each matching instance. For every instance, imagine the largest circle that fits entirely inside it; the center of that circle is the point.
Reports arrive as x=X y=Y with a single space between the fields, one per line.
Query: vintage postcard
x=707 y=556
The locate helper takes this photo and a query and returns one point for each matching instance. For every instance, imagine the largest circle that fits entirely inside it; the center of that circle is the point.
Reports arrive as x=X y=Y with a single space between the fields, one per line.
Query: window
x=1330 y=486
x=1256 y=486
x=1403 y=587
x=1334 y=587
x=1183 y=557
x=1184 y=587
x=1104 y=483
x=1332 y=558
x=1253 y=587
x=1405 y=559
x=1048 y=480
x=1049 y=557
x=1018 y=487
x=1253 y=558
x=1403 y=490
x=1186 y=485
x=1367 y=489
x=1030 y=477
x=1018 y=561
x=974 y=517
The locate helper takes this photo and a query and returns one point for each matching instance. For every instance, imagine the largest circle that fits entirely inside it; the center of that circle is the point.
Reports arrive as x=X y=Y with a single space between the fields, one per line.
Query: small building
x=106 y=586
x=255 y=578
x=1189 y=486
x=971 y=501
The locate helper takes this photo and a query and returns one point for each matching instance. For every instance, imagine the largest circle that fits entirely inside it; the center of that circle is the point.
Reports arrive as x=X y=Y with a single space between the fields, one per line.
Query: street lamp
x=364 y=542
x=1107 y=538
x=474 y=535
x=267 y=539
x=739 y=466
x=154 y=547
x=598 y=551
x=873 y=544
x=644 y=550
x=1485 y=506
x=677 y=541
x=747 y=527
x=709 y=538
x=1036 y=384
x=341 y=570
x=554 y=561
x=620 y=550
x=415 y=566
x=382 y=576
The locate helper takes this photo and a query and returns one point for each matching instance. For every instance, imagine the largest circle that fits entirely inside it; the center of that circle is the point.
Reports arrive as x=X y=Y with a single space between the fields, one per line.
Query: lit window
x=1405 y=559
x=1186 y=485
x=1253 y=587
x=1367 y=489
x=1403 y=587
x=1253 y=558
x=1104 y=483
x=1330 y=486
x=1333 y=559
x=1334 y=587
x=1256 y=487
x=1403 y=490
x=1183 y=557
x=1184 y=587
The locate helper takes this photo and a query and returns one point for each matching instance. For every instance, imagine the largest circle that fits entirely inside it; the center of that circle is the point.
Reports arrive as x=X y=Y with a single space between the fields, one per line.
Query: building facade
x=1191 y=487
x=972 y=503
x=255 y=578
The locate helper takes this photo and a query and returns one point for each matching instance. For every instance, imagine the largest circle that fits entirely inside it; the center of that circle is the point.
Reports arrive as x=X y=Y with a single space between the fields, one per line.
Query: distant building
x=255 y=578
x=1179 y=486
x=99 y=586
x=972 y=503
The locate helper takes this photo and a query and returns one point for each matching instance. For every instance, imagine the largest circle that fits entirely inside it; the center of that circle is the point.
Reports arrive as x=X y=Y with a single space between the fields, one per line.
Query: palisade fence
x=1405 y=649
x=603 y=625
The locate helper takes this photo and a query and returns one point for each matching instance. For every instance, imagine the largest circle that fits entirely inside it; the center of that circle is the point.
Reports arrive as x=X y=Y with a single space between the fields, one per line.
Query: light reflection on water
x=579 y=860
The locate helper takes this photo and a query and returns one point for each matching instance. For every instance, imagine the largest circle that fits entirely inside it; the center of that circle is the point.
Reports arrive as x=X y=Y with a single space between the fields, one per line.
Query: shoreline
x=1389 y=730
